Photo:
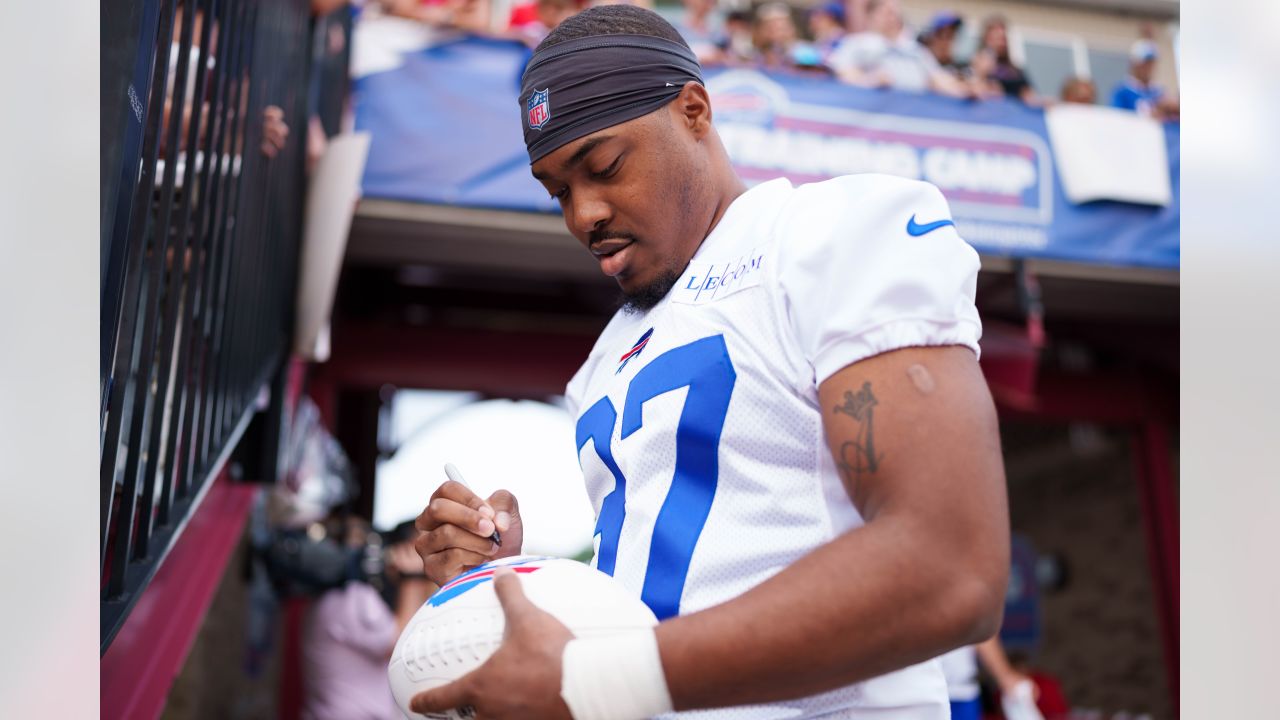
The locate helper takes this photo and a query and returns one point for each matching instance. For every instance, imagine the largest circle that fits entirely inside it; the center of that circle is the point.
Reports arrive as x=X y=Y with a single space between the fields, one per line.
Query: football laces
x=458 y=640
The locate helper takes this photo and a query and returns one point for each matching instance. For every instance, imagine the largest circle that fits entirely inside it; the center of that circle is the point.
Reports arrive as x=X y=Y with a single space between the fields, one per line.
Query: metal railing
x=200 y=232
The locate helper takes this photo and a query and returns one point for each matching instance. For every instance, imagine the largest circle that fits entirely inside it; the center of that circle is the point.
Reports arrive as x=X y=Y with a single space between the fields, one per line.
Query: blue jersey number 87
x=705 y=368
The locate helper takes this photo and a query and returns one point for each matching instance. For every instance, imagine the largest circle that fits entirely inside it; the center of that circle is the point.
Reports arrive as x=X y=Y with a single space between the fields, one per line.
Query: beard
x=642 y=300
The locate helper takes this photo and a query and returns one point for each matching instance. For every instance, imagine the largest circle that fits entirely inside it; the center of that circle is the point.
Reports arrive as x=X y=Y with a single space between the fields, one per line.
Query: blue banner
x=446 y=129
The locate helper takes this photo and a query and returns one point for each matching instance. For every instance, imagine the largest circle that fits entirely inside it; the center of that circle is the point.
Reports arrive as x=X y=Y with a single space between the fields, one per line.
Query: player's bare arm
x=914 y=434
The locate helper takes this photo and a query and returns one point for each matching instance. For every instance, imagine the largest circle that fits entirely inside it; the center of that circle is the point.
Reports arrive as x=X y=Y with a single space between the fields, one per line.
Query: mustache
x=596 y=236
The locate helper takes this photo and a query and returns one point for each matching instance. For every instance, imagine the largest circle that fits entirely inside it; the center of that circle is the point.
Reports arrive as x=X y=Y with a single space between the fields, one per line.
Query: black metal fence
x=200 y=232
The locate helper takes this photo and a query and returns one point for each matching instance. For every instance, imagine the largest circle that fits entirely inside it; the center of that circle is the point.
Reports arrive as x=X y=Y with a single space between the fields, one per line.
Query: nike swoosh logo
x=915 y=229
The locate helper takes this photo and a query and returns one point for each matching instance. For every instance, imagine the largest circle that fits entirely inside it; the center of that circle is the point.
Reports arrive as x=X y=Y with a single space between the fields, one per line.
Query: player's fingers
x=506 y=508
x=515 y=605
x=443 y=698
x=452 y=536
x=458 y=492
x=444 y=566
x=442 y=511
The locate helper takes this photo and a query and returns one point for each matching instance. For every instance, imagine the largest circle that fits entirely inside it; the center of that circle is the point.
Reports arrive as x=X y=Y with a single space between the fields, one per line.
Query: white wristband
x=616 y=677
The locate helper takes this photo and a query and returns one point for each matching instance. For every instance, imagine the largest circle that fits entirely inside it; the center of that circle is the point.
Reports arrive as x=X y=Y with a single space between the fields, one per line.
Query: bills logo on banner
x=539 y=108
x=998 y=180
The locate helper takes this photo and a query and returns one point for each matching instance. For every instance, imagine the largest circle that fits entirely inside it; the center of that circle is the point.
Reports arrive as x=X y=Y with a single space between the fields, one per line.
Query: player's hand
x=522 y=678
x=1015 y=684
x=274 y=131
x=456 y=528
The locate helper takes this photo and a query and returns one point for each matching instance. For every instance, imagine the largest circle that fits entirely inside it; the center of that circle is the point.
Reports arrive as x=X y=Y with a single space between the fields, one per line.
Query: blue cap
x=835 y=9
x=942 y=19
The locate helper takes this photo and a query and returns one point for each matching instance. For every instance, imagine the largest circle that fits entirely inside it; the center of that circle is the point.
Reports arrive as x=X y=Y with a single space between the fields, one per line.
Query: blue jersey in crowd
x=1133 y=95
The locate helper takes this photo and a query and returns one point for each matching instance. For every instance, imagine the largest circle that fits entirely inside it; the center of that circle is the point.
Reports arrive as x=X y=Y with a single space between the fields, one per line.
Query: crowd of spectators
x=861 y=42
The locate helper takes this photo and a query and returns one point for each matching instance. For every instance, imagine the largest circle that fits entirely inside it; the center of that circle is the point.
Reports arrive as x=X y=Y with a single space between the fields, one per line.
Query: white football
x=460 y=626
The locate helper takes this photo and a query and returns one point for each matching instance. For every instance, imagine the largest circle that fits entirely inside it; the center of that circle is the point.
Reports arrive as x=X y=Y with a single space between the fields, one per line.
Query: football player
x=787 y=439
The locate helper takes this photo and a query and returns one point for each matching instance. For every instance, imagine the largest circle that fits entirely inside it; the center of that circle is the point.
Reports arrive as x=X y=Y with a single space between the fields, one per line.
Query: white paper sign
x=1109 y=154
x=331 y=203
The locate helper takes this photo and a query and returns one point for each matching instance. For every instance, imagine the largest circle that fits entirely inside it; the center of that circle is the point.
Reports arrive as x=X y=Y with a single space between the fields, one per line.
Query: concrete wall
x=213 y=684
x=1101 y=634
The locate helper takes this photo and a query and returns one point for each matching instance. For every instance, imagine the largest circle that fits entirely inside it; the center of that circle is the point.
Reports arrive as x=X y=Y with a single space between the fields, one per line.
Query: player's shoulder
x=863 y=201
x=862 y=188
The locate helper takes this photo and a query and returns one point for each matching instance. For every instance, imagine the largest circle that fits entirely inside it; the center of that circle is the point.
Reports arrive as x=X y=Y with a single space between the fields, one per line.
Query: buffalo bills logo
x=634 y=351
x=539 y=107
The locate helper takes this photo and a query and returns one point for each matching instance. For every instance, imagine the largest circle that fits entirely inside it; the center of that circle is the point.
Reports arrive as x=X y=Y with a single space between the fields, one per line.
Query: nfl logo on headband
x=539 y=108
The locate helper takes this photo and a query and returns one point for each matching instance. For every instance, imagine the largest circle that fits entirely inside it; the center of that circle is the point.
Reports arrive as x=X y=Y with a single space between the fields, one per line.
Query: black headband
x=587 y=84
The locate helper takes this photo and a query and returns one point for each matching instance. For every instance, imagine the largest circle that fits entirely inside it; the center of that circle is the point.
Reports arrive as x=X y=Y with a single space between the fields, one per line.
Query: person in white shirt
x=702 y=26
x=786 y=436
x=960 y=667
x=886 y=56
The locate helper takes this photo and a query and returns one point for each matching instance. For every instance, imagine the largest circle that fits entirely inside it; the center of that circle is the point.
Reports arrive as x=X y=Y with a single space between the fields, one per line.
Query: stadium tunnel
x=202 y=244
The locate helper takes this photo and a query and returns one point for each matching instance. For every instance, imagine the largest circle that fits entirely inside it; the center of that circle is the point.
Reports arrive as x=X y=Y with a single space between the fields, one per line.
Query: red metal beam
x=512 y=363
x=1160 y=520
x=1094 y=397
x=144 y=659
x=320 y=387
x=293 y=615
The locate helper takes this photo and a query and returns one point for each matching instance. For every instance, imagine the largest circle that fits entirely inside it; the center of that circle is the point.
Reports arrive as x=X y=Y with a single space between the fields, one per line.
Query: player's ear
x=693 y=105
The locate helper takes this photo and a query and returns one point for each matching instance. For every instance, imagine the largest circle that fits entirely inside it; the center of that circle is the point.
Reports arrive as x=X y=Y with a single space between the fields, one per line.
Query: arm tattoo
x=858 y=457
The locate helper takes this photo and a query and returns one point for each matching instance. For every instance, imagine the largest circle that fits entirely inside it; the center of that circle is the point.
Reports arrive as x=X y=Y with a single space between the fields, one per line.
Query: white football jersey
x=960 y=668
x=698 y=424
